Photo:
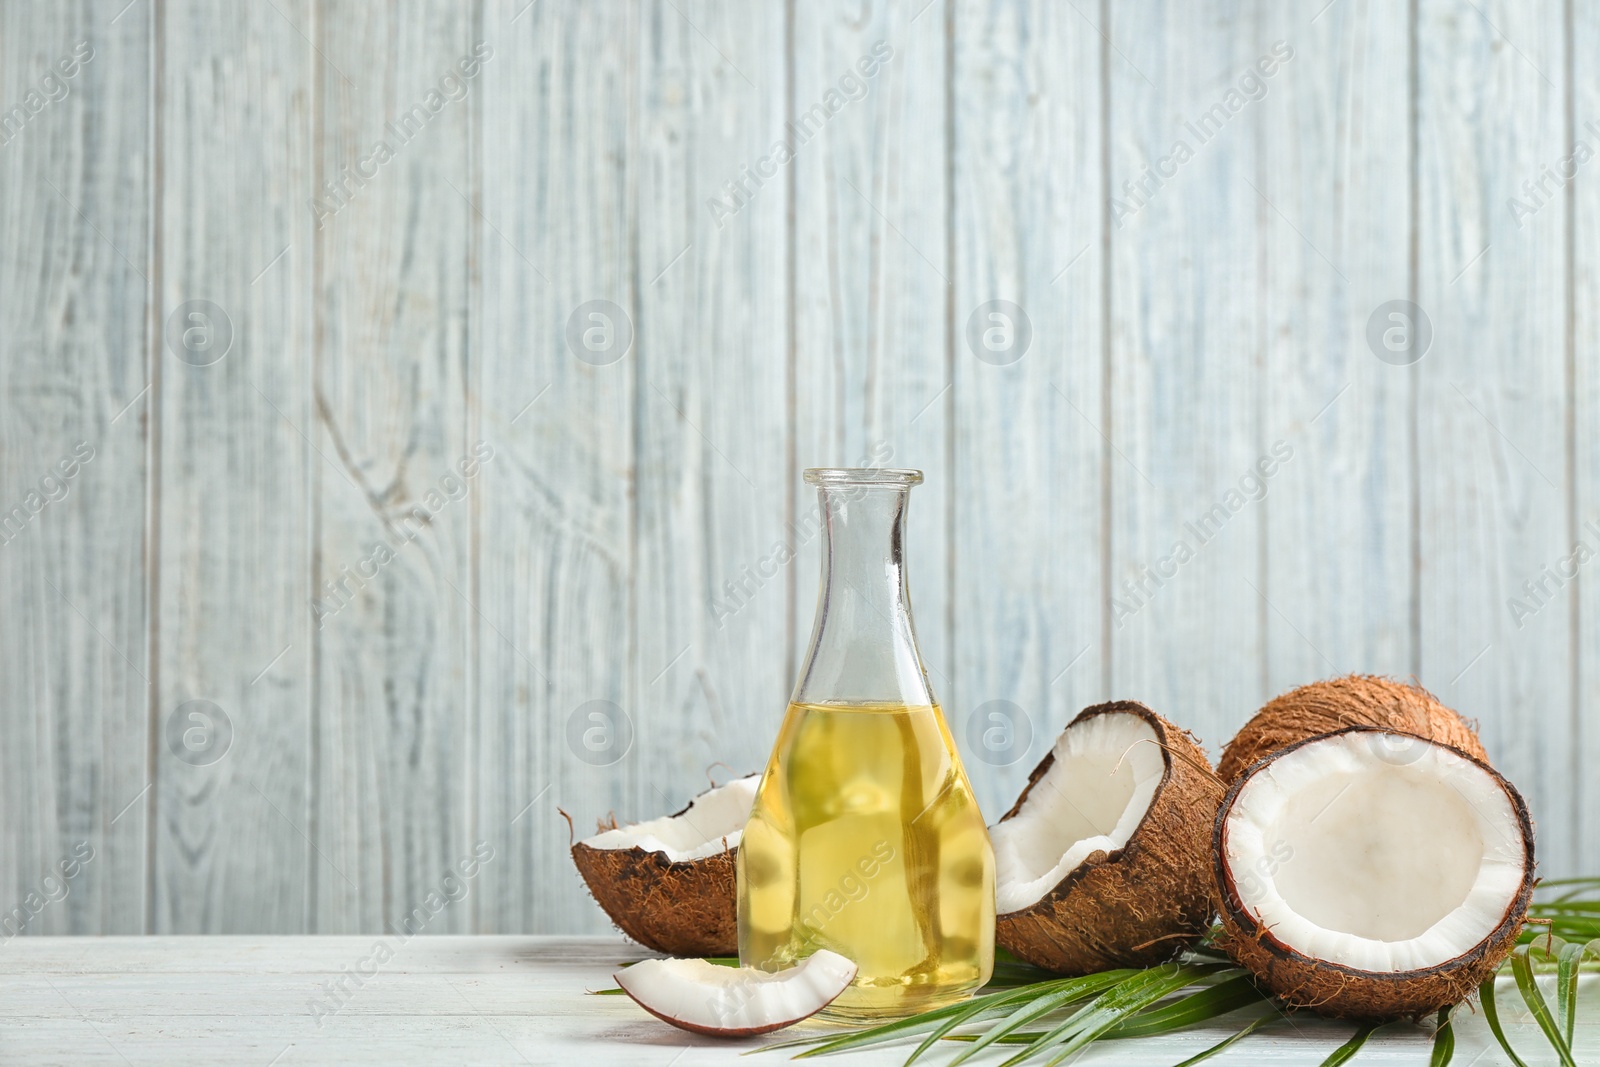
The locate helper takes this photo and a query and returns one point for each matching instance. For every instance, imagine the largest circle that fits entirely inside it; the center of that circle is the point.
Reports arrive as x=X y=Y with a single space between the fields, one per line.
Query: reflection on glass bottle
x=865 y=837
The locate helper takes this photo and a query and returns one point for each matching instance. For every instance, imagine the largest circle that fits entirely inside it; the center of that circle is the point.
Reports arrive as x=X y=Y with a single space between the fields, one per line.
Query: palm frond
x=1522 y=971
x=1351 y=1047
x=1444 y=1040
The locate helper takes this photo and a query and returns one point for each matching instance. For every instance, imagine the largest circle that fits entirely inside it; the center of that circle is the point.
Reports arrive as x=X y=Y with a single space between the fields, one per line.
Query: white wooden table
x=480 y=1000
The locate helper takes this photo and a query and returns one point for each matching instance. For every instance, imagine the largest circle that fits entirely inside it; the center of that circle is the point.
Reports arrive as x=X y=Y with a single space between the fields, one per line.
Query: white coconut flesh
x=713 y=822
x=1105 y=774
x=708 y=998
x=1375 y=851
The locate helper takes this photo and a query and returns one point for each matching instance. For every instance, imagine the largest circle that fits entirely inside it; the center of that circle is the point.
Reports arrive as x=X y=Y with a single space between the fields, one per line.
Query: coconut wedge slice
x=1104 y=860
x=1372 y=875
x=702 y=997
x=668 y=883
x=1354 y=700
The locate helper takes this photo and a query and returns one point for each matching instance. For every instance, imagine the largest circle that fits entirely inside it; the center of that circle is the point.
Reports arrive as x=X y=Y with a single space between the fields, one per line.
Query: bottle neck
x=863 y=644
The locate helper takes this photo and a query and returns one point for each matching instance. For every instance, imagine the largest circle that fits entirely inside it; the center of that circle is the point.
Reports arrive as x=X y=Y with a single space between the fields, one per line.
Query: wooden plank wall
x=440 y=377
x=77 y=664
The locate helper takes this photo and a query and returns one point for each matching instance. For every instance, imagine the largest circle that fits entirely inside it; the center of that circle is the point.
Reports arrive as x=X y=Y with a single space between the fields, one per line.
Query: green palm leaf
x=1065 y=992
x=1567 y=962
x=1249 y=1029
x=1227 y=996
x=1351 y=1047
x=1491 y=1014
x=1522 y=970
x=1040 y=1006
x=1112 y=1007
x=1444 y=1041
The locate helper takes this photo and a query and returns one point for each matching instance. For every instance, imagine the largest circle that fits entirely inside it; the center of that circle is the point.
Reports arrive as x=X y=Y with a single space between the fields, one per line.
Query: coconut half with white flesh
x=668 y=883
x=705 y=998
x=1371 y=875
x=1104 y=860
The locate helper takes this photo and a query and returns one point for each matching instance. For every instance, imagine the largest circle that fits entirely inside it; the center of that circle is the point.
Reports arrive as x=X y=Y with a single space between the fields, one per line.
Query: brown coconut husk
x=1354 y=700
x=1143 y=903
x=1342 y=992
x=686 y=908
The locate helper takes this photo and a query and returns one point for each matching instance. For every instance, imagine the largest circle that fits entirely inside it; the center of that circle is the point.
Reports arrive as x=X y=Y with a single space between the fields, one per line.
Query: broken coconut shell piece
x=668 y=883
x=705 y=998
x=1104 y=861
x=1366 y=874
x=1354 y=700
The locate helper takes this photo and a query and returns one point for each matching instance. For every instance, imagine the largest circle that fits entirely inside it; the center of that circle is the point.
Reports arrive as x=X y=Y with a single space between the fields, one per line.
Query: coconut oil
x=865 y=839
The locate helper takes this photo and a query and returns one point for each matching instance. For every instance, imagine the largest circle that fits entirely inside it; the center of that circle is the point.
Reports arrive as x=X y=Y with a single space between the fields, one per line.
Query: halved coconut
x=1355 y=700
x=735 y=1001
x=1104 y=861
x=1372 y=875
x=668 y=883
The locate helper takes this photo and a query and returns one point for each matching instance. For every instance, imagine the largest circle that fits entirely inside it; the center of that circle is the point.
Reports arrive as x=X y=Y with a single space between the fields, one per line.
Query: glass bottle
x=865 y=837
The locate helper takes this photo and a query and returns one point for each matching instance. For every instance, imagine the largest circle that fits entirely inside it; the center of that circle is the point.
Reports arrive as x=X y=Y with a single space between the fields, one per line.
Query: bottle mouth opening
x=883 y=477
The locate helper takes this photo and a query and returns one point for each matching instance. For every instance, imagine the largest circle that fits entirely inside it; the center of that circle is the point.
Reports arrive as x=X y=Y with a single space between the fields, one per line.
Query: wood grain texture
x=608 y=606
x=74 y=183
x=1187 y=347
x=558 y=541
x=1028 y=537
x=711 y=461
x=506 y=1000
x=1493 y=405
x=233 y=502
x=1336 y=247
x=871 y=358
x=394 y=516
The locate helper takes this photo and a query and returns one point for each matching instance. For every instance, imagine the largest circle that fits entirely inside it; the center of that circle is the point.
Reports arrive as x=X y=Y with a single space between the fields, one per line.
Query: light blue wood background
x=385 y=318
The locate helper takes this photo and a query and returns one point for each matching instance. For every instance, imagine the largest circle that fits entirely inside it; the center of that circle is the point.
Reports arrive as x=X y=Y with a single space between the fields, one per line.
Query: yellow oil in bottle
x=865 y=839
